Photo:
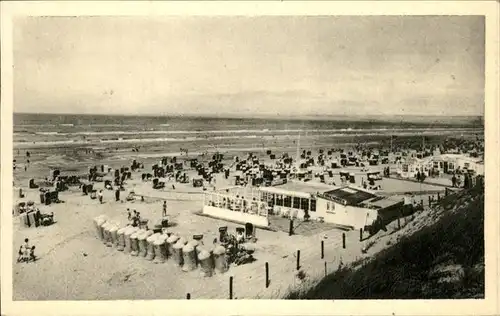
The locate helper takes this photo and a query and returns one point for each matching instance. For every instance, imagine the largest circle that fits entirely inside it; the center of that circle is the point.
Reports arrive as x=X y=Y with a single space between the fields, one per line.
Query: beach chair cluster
x=30 y=216
x=159 y=246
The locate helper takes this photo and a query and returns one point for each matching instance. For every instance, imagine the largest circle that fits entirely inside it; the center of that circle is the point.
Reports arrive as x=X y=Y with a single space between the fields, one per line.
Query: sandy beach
x=89 y=270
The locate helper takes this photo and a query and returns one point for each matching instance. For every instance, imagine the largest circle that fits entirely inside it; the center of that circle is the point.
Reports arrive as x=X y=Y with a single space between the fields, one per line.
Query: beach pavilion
x=348 y=206
x=238 y=204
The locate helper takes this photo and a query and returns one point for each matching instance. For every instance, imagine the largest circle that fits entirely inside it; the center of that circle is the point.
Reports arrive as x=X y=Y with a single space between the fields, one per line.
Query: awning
x=275 y=190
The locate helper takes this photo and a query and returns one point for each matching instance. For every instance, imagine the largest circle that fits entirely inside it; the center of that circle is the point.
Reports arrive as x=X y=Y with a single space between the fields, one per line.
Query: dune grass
x=442 y=261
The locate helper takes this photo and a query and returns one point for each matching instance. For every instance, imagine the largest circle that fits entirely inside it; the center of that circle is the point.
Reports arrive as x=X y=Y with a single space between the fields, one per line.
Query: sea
x=66 y=129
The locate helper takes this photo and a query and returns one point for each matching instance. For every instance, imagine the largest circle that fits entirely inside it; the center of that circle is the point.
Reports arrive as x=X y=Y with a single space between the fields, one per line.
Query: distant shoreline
x=408 y=118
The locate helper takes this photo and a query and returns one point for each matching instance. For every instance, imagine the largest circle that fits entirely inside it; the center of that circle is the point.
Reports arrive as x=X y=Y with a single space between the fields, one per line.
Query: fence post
x=322 y=249
x=399 y=223
x=325 y=268
x=343 y=240
x=290 y=228
x=267 y=275
x=361 y=234
x=438 y=197
x=429 y=201
x=298 y=259
x=188 y=296
x=231 y=288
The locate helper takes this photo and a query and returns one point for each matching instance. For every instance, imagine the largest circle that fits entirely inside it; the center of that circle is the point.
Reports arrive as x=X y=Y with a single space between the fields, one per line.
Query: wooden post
x=325 y=268
x=231 y=288
x=429 y=201
x=399 y=223
x=188 y=296
x=438 y=197
x=361 y=234
x=267 y=275
x=322 y=249
x=298 y=259
x=343 y=240
x=290 y=229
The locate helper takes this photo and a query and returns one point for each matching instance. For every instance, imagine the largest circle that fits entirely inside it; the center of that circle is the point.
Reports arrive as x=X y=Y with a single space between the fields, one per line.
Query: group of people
x=26 y=252
x=456 y=181
x=134 y=218
x=27 y=208
x=100 y=195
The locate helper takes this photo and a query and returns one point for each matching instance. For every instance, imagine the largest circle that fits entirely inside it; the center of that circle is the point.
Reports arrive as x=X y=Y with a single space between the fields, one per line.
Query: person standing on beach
x=100 y=196
x=134 y=218
x=25 y=250
x=164 y=209
x=117 y=194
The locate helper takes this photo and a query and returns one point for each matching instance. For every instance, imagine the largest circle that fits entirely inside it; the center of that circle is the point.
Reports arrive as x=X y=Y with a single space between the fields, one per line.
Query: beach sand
x=88 y=270
x=75 y=265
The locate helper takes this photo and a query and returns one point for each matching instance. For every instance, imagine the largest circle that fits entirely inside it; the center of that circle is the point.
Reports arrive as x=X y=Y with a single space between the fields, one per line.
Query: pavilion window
x=279 y=200
x=296 y=202
x=313 y=205
x=304 y=204
x=287 y=201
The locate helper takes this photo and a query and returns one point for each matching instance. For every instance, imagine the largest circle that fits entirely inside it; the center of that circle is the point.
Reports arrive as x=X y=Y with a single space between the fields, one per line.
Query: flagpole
x=298 y=153
x=391 y=143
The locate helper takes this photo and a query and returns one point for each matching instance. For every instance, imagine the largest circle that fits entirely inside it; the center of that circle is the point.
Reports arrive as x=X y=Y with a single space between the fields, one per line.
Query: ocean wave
x=248 y=131
x=47 y=133
x=35 y=125
x=112 y=125
x=219 y=138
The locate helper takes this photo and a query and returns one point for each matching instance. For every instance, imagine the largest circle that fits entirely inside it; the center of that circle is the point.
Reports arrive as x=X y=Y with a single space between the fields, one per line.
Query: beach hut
x=197 y=182
x=151 y=251
x=206 y=263
x=220 y=259
x=157 y=184
x=373 y=175
x=160 y=249
x=32 y=184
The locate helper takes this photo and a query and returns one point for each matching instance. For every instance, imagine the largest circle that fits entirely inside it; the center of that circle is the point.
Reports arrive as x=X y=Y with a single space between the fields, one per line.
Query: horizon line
x=231 y=115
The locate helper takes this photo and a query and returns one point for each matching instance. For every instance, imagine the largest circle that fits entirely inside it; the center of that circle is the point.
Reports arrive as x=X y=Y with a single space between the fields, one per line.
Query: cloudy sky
x=244 y=65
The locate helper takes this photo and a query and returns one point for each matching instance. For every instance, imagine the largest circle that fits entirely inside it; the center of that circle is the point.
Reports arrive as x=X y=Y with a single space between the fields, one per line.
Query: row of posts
x=267 y=280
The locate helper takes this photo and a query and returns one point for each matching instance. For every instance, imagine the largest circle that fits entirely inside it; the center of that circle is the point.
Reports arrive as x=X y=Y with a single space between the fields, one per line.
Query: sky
x=295 y=65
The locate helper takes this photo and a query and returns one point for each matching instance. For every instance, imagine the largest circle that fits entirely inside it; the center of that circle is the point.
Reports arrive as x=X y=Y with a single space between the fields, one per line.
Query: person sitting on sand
x=26 y=244
x=25 y=250
x=32 y=256
x=20 y=254
x=134 y=219
x=129 y=215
